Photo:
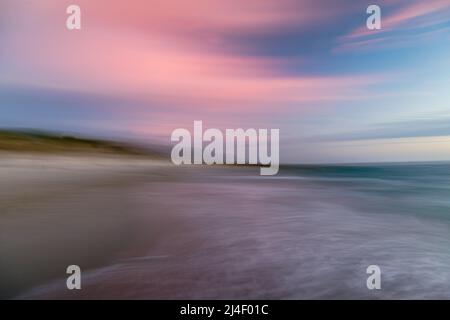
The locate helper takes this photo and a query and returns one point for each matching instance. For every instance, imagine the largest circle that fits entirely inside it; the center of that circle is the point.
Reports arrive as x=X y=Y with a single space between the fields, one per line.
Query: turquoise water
x=411 y=189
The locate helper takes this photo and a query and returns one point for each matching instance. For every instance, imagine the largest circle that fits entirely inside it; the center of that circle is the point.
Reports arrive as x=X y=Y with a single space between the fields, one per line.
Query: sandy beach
x=62 y=210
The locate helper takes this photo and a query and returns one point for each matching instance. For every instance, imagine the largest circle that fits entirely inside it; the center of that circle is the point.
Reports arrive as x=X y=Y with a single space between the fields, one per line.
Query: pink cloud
x=152 y=52
x=178 y=16
x=124 y=63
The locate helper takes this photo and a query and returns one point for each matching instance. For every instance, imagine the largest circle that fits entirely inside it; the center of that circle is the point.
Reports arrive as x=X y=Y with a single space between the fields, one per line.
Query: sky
x=138 y=69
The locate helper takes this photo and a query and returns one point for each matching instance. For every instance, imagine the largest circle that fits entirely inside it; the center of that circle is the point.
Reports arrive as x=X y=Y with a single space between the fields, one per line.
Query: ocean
x=227 y=233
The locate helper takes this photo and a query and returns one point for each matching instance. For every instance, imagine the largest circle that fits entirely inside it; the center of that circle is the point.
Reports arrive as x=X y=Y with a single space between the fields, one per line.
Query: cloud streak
x=402 y=23
x=419 y=128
